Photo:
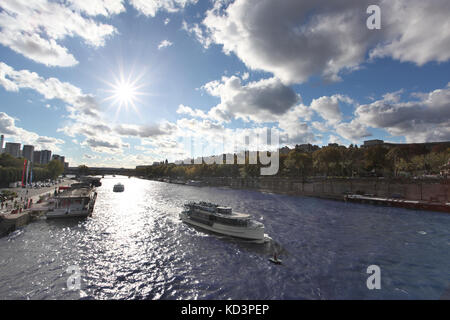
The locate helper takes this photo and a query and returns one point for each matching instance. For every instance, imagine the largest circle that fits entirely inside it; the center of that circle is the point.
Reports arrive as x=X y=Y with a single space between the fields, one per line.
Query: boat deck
x=75 y=193
x=234 y=215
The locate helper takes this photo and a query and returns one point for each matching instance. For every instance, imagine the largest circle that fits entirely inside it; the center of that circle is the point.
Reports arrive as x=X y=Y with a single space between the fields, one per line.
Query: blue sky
x=310 y=70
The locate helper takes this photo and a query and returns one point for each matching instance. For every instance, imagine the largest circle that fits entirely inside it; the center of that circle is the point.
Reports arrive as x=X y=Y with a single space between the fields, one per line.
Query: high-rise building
x=2 y=140
x=37 y=157
x=27 y=152
x=13 y=149
x=46 y=155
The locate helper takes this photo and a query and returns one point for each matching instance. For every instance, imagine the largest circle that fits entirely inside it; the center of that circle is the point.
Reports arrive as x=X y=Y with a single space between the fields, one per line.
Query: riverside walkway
x=11 y=218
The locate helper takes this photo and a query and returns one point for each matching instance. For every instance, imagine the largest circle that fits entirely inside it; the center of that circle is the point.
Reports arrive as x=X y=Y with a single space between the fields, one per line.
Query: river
x=135 y=247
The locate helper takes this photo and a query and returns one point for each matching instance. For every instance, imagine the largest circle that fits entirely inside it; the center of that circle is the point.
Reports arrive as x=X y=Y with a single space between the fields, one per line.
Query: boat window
x=224 y=210
x=232 y=222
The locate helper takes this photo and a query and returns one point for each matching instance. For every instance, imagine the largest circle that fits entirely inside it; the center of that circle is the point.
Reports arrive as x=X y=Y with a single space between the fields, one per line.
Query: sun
x=124 y=92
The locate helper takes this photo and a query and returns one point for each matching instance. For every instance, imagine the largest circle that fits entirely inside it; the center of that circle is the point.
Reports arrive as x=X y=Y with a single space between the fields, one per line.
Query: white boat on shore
x=119 y=187
x=73 y=203
x=222 y=220
x=194 y=183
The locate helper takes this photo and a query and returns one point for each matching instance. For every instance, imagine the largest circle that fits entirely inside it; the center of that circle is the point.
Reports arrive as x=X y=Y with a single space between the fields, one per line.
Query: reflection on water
x=135 y=247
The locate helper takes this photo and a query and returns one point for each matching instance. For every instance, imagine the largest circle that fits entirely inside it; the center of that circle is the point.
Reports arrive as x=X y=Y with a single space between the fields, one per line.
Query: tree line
x=11 y=169
x=329 y=161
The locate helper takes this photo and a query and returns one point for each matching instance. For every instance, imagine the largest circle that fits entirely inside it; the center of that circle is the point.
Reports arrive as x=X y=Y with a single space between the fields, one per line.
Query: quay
x=10 y=222
x=401 y=203
x=12 y=219
x=432 y=195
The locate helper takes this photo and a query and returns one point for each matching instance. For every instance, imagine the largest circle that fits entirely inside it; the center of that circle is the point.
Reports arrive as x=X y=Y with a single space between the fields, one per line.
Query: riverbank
x=10 y=221
x=135 y=247
x=430 y=194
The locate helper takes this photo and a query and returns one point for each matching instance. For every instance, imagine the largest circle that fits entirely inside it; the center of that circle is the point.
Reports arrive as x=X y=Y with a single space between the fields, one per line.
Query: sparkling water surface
x=135 y=247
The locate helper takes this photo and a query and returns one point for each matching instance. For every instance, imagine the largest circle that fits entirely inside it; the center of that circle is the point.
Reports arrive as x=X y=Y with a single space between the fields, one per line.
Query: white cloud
x=105 y=144
x=425 y=119
x=320 y=126
x=84 y=111
x=151 y=7
x=51 y=88
x=260 y=101
x=328 y=107
x=334 y=139
x=164 y=44
x=198 y=32
x=8 y=127
x=295 y=40
x=98 y=7
x=37 y=28
x=415 y=31
x=182 y=109
x=97 y=134
x=353 y=131
x=164 y=128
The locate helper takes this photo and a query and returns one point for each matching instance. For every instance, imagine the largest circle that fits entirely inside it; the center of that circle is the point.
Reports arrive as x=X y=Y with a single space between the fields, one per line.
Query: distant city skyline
x=124 y=83
x=27 y=152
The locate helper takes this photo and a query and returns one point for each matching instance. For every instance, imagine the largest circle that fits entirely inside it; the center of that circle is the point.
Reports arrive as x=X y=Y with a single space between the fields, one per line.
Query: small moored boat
x=194 y=183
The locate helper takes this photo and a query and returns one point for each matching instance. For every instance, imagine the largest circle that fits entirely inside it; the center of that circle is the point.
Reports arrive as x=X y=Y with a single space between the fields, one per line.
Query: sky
x=121 y=83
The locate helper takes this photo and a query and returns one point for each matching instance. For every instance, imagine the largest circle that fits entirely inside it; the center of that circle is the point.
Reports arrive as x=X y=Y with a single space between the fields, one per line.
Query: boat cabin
x=75 y=199
x=224 y=210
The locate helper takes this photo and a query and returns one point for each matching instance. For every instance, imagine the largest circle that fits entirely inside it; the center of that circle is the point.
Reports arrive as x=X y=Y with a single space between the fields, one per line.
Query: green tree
x=55 y=168
x=375 y=158
x=83 y=170
x=298 y=163
x=328 y=160
x=353 y=158
x=396 y=159
x=7 y=160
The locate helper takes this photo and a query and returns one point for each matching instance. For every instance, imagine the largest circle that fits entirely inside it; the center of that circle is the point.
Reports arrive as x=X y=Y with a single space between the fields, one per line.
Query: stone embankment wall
x=11 y=222
x=426 y=190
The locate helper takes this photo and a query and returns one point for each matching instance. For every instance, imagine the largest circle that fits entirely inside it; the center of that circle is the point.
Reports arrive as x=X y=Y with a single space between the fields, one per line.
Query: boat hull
x=255 y=234
x=65 y=214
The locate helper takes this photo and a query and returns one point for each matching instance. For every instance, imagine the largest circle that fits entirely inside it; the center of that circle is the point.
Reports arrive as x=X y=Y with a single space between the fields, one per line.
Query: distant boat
x=194 y=183
x=275 y=260
x=119 y=187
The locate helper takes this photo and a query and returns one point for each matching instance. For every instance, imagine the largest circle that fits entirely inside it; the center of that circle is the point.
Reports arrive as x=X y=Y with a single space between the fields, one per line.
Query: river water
x=135 y=247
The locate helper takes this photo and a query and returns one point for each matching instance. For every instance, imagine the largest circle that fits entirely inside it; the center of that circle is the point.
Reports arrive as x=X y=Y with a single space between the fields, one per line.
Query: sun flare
x=124 y=93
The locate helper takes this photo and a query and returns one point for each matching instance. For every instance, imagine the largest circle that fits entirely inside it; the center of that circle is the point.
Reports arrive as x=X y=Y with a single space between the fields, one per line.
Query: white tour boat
x=222 y=220
x=119 y=187
x=74 y=202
